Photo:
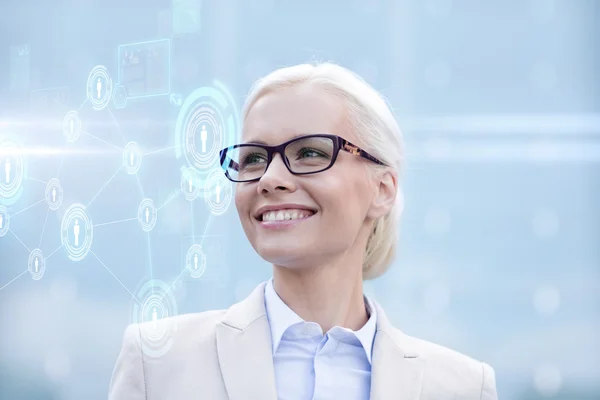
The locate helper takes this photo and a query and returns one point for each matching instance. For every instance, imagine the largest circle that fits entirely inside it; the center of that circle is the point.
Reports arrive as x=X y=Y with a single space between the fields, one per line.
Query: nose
x=277 y=178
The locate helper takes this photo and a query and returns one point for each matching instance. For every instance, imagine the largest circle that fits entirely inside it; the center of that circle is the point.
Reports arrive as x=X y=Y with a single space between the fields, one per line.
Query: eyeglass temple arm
x=357 y=151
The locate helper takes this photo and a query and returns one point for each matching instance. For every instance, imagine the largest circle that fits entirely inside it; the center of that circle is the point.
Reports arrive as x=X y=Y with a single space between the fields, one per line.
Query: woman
x=317 y=194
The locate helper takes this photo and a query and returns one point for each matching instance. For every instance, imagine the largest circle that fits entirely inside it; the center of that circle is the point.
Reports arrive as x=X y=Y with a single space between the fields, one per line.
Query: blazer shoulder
x=196 y=324
x=449 y=367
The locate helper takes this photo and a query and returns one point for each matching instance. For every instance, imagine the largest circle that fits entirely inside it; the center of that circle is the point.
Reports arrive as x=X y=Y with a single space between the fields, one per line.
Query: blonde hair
x=375 y=125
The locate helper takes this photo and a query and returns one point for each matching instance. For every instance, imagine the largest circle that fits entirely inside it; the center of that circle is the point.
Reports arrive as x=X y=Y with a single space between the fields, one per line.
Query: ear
x=386 y=191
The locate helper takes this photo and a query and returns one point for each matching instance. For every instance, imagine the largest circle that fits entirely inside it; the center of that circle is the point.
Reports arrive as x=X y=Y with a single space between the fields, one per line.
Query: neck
x=330 y=295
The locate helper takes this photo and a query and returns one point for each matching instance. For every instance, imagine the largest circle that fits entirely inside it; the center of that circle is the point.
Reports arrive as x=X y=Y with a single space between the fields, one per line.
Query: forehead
x=284 y=113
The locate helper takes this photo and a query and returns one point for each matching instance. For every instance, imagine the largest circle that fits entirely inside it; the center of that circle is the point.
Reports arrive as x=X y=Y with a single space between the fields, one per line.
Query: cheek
x=242 y=200
x=344 y=203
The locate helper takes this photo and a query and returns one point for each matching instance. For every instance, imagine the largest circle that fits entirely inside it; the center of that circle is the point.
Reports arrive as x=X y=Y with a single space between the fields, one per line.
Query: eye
x=253 y=158
x=308 y=152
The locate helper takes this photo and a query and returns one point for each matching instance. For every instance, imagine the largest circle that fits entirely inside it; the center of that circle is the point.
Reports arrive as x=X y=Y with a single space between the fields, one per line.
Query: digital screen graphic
x=144 y=68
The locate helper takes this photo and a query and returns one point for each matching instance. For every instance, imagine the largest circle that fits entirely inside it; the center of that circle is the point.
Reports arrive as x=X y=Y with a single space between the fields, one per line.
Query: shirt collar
x=281 y=317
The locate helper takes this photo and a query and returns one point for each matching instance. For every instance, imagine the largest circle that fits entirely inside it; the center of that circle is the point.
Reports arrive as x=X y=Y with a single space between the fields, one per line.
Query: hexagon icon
x=120 y=96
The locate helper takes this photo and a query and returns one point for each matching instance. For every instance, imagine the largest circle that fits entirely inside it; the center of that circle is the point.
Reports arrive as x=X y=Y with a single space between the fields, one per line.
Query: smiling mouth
x=285 y=215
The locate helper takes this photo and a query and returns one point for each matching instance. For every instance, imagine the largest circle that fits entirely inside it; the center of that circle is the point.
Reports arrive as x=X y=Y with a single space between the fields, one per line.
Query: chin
x=281 y=254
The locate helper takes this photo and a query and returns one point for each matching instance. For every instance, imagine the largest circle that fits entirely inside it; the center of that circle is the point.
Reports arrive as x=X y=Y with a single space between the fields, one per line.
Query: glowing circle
x=207 y=122
x=132 y=158
x=76 y=232
x=4 y=221
x=147 y=215
x=54 y=194
x=195 y=261
x=190 y=184
x=12 y=169
x=72 y=126
x=218 y=192
x=99 y=87
x=153 y=311
x=36 y=264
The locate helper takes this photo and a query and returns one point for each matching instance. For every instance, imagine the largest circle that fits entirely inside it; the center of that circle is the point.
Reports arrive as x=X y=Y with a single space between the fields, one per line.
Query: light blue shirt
x=312 y=366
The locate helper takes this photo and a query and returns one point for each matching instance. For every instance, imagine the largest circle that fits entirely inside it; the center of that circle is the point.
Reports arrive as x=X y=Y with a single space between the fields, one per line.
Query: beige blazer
x=227 y=354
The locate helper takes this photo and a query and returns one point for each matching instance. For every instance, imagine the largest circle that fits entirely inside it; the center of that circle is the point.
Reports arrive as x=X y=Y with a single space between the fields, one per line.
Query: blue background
x=500 y=105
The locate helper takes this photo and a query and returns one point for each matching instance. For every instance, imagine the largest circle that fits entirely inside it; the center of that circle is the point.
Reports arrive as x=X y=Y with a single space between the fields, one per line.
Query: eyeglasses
x=303 y=155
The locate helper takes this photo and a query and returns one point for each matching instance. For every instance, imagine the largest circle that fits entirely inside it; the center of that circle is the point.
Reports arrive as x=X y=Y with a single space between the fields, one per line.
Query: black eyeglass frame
x=338 y=144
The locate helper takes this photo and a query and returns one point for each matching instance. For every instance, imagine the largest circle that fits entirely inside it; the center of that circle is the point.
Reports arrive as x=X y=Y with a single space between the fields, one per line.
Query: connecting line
x=169 y=199
x=106 y=184
x=139 y=182
x=150 y=260
x=82 y=104
x=62 y=161
x=185 y=268
x=19 y=239
x=175 y=281
x=205 y=229
x=115 y=222
x=14 y=279
x=51 y=254
x=117 y=124
x=108 y=269
x=27 y=208
x=44 y=227
x=161 y=150
x=36 y=180
x=192 y=221
x=101 y=140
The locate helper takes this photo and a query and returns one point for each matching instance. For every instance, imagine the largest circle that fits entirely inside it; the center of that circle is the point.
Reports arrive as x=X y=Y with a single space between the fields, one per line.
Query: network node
x=72 y=126
x=195 y=261
x=99 y=87
x=36 y=264
x=156 y=303
x=4 y=221
x=120 y=96
x=54 y=194
x=132 y=158
x=76 y=232
x=207 y=122
x=190 y=185
x=218 y=192
x=147 y=215
x=12 y=169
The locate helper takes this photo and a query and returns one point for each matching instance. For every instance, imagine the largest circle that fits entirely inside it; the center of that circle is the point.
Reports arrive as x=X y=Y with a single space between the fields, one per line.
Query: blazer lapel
x=244 y=349
x=397 y=371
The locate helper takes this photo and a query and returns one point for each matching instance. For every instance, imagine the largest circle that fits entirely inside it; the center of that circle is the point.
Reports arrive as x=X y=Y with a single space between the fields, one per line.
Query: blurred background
x=499 y=102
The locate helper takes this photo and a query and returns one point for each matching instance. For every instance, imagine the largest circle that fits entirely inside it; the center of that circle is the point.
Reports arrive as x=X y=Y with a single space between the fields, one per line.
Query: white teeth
x=284 y=215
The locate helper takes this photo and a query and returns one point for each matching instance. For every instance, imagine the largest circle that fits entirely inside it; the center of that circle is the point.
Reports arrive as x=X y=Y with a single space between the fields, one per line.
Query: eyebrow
x=266 y=144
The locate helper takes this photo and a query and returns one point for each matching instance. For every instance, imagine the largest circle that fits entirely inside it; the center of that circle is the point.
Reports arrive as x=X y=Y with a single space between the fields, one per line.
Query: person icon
x=99 y=88
x=218 y=190
x=196 y=261
x=191 y=185
x=7 y=170
x=76 y=229
x=36 y=264
x=131 y=157
x=203 y=137
x=54 y=194
x=147 y=214
x=154 y=317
